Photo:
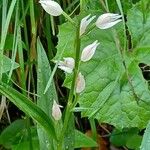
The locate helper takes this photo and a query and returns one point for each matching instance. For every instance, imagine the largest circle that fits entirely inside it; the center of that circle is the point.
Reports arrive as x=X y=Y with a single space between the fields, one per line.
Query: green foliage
x=12 y=134
x=81 y=140
x=126 y=137
x=8 y=64
x=24 y=145
x=15 y=136
x=29 y=108
x=110 y=95
x=116 y=91
x=146 y=139
x=138 y=23
x=134 y=142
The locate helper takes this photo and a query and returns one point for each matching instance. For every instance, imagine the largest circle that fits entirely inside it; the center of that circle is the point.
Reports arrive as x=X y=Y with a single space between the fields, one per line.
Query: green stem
x=15 y=42
x=124 y=24
x=103 y=5
x=71 y=94
x=93 y=127
x=77 y=62
x=4 y=34
x=107 y=7
x=24 y=12
x=68 y=18
x=75 y=101
x=32 y=17
x=81 y=5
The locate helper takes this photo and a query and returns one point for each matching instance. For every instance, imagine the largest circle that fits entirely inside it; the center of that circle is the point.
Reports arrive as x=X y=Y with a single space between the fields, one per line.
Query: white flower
x=80 y=83
x=51 y=7
x=89 y=51
x=108 y=20
x=56 y=112
x=67 y=65
x=84 y=23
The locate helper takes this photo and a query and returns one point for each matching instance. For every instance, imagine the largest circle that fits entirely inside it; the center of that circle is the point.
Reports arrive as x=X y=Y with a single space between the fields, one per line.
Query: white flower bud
x=67 y=65
x=89 y=51
x=56 y=112
x=84 y=23
x=108 y=20
x=80 y=83
x=51 y=7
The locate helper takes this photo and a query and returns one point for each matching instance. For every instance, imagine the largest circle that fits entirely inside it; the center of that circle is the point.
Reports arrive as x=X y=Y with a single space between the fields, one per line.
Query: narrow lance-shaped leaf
x=44 y=101
x=29 y=108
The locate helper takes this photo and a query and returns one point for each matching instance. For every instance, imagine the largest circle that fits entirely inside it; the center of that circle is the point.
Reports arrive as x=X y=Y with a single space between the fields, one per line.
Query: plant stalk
x=71 y=94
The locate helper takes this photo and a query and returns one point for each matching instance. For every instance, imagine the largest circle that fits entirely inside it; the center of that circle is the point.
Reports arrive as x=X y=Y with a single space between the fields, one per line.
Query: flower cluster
x=104 y=21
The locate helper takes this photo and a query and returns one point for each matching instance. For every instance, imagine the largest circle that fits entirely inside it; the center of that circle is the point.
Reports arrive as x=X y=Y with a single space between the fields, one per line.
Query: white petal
x=51 y=7
x=69 y=61
x=67 y=65
x=108 y=20
x=80 y=83
x=66 y=69
x=89 y=51
x=56 y=112
x=109 y=24
x=84 y=23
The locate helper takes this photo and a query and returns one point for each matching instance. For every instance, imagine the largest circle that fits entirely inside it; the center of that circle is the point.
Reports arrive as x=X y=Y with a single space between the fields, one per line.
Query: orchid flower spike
x=108 y=20
x=84 y=23
x=80 y=83
x=67 y=65
x=51 y=7
x=56 y=112
x=89 y=51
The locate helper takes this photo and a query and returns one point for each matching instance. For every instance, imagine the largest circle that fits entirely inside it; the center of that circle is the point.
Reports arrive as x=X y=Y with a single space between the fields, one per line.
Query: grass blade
x=45 y=101
x=29 y=108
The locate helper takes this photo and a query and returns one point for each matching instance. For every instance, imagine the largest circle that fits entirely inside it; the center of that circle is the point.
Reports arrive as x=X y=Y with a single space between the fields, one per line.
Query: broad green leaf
x=110 y=95
x=93 y=5
x=29 y=108
x=113 y=7
x=15 y=136
x=81 y=140
x=45 y=101
x=124 y=136
x=134 y=142
x=146 y=139
x=142 y=54
x=13 y=133
x=24 y=145
x=138 y=21
x=7 y=64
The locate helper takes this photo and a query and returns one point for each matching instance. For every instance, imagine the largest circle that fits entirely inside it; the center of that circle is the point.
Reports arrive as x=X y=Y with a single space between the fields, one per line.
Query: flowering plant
x=92 y=66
